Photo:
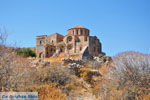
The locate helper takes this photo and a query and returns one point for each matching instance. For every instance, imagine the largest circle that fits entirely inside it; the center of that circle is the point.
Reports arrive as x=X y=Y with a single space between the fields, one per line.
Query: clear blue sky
x=121 y=25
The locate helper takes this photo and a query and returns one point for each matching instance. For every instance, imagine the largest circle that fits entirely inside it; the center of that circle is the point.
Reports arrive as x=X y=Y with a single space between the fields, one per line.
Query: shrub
x=93 y=64
x=86 y=74
x=13 y=70
x=26 y=52
x=130 y=70
x=50 y=92
x=55 y=73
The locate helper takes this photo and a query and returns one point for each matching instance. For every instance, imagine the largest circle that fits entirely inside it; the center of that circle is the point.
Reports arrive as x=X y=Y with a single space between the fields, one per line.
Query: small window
x=85 y=38
x=40 y=42
x=80 y=48
x=87 y=32
x=81 y=32
x=73 y=32
x=77 y=32
x=61 y=50
x=69 y=39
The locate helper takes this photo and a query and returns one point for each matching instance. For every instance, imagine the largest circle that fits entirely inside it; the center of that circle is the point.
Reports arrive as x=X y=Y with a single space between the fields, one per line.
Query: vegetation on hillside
x=124 y=77
x=128 y=78
x=26 y=52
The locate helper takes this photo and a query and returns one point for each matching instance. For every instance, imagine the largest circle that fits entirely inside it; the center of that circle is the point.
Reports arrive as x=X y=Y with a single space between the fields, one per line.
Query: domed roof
x=78 y=26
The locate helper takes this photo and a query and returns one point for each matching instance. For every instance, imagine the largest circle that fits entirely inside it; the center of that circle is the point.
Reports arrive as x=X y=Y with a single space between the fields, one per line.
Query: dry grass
x=104 y=69
x=59 y=58
x=50 y=92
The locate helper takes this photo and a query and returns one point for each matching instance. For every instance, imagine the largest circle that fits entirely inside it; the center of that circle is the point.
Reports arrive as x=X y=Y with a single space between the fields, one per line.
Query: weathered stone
x=76 y=42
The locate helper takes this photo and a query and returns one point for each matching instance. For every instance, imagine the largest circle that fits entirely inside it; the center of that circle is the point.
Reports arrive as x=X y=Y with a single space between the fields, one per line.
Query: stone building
x=77 y=42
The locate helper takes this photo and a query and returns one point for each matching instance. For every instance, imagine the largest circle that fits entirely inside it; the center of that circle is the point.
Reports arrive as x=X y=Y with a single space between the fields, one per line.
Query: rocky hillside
x=124 y=77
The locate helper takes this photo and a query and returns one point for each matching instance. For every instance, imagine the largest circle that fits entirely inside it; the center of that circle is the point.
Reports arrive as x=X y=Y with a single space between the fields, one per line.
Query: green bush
x=26 y=52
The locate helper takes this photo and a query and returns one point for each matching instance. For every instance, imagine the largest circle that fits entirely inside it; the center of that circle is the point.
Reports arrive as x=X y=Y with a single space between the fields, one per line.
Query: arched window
x=40 y=42
x=80 y=48
x=69 y=39
x=81 y=32
x=87 y=32
x=40 y=55
x=61 y=48
x=77 y=32
x=85 y=38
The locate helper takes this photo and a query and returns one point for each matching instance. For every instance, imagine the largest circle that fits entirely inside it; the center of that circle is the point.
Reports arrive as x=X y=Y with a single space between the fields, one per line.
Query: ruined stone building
x=77 y=42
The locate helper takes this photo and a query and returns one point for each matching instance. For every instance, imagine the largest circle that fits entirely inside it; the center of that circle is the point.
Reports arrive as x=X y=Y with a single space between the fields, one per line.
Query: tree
x=26 y=52
x=130 y=70
x=3 y=36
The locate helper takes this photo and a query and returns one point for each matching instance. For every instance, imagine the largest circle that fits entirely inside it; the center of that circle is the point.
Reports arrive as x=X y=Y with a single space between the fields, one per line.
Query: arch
x=81 y=48
x=50 y=50
x=86 y=32
x=61 y=48
x=69 y=39
x=85 y=38
x=40 y=55
x=77 y=39
x=40 y=42
x=81 y=32
x=77 y=32
x=73 y=32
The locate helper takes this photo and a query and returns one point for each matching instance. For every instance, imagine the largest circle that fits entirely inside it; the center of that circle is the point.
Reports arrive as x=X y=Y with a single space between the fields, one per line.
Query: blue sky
x=121 y=25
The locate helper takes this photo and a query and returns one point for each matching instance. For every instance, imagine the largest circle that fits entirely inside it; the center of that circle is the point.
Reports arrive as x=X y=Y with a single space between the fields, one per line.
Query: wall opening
x=77 y=32
x=85 y=38
x=40 y=55
x=69 y=39
x=50 y=50
x=73 y=32
x=81 y=48
x=62 y=49
x=40 y=42
x=81 y=32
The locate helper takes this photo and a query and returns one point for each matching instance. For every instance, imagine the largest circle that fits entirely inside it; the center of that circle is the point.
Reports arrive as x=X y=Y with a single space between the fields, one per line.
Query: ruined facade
x=77 y=42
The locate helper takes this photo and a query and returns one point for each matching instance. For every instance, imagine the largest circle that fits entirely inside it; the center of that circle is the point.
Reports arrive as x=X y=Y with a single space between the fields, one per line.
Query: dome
x=78 y=30
x=78 y=26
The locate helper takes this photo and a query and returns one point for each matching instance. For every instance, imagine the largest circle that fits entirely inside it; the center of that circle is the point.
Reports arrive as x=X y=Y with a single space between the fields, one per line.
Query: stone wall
x=40 y=49
x=94 y=46
x=76 y=42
